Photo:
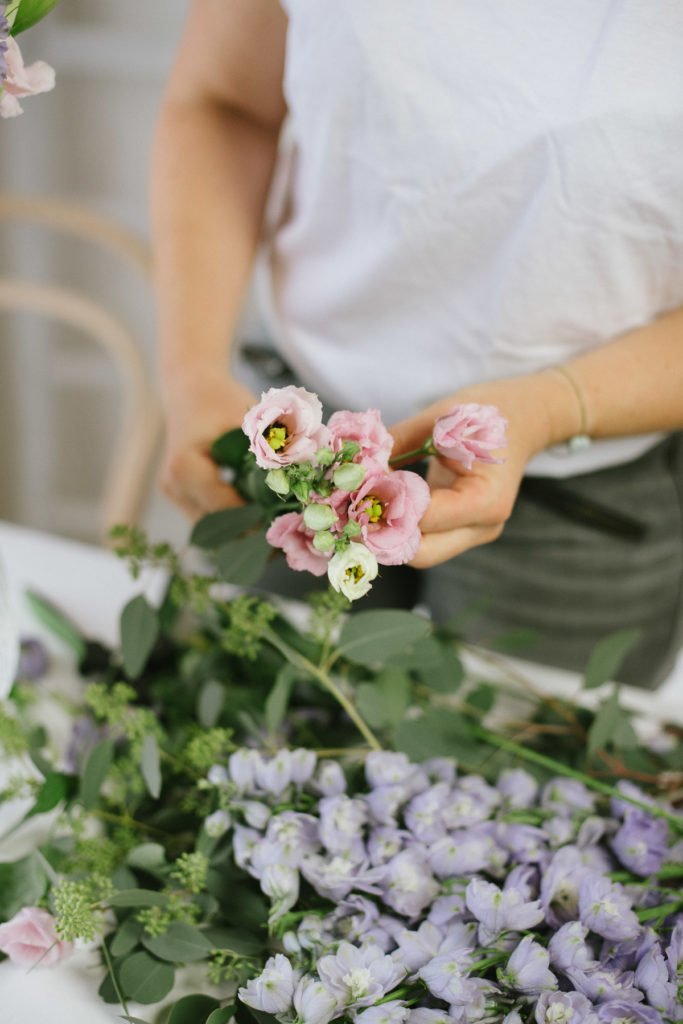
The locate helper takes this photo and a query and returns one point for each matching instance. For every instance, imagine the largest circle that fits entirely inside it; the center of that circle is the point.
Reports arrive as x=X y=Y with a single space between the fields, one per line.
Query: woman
x=481 y=202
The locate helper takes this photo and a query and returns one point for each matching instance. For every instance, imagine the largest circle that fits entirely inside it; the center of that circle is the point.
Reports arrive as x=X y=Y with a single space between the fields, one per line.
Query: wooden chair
x=132 y=459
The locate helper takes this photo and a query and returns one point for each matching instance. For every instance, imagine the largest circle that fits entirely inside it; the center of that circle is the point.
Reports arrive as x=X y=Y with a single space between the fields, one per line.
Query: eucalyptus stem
x=562 y=769
x=300 y=661
x=110 y=967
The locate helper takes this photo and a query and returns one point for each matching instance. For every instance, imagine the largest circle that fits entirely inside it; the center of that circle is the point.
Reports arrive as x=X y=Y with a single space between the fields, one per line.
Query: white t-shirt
x=474 y=189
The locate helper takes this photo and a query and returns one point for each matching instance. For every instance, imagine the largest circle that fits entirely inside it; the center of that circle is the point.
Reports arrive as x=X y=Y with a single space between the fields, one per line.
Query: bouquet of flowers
x=18 y=80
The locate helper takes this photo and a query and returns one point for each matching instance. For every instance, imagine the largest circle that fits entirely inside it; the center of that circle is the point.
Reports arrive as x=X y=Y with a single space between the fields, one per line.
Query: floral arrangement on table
x=18 y=80
x=321 y=816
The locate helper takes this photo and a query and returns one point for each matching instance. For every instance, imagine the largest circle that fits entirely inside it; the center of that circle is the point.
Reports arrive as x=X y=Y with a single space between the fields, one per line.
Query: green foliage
x=207 y=748
x=95 y=771
x=230 y=449
x=22 y=884
x=193 y=1010
x=249 y=617
x=131 y=544
x=13 y=739
x=242 y=561
x=139 y=632
x=190 y=870
x=277 y=700
x=180 y=943
x=607 y=656
x=383 y=702
x=327 y=608
x=30 y=12
x=210 y=703
x=611 y=727
x=370 y=638
x=149 y=764
x=78 y=907
x=217 y=528
x=145 y=979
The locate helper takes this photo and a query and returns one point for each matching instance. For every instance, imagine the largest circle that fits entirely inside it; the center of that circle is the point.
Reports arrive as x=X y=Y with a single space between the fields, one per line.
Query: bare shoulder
x=232 y=52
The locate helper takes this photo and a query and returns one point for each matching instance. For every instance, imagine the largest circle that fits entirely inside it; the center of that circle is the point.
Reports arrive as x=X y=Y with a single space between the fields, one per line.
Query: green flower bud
x=277 y=480
x=324 y=541
x=319 y=517
x=349 y=450
x=324 y=456
x=349 y=477
x=352 y=529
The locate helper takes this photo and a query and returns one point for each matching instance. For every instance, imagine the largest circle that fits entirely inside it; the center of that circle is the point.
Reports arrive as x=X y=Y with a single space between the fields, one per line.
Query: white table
x=91 y=585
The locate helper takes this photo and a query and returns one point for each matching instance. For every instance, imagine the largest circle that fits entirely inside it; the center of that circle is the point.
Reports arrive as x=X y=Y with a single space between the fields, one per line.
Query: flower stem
x=562 y=769
x=299 y=661
x=426 y=449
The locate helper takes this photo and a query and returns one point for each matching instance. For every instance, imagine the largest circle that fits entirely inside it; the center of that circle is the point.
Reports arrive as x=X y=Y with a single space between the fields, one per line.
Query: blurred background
x=87 y=142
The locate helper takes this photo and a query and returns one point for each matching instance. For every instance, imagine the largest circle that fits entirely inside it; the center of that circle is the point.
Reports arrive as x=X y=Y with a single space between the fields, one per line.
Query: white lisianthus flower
x=352 y=571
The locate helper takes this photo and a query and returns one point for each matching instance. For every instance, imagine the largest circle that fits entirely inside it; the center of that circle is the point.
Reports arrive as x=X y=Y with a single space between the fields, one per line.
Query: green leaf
x=437 y=733
x=218 y=528
x=192 y=1009
x=370 y=638
x=242 y=561
x=482 y=697
x=145 y=979
x=447 y=675
x=277 y=700
x=222 y=1016
x=233 y=939
x=55 y=787
x=94 y=772
x=148 y=856
x=210 y=703
x=22 y=884
x=30 y=12
x=423 y=654
x=132 y=1020
x=384 y=701
x=180 y=943
x=515 y=640
x=149 y=764
x=139 y=631
x=607 y=656
x=137 y=898
x=126 y=937
x=56 y=622
x=230 y=448
x=611 y=726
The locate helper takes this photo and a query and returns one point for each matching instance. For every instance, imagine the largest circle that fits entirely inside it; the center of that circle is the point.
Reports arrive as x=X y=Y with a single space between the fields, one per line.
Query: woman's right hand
x=198 y=409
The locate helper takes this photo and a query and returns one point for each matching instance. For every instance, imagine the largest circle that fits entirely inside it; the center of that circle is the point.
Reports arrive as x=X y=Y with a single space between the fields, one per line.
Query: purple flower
x=641 y=843
x=440 y=769
x=528 y=970
x=274 y=775
x=281 y=884
x=622 y=808
x=255 y=813
x=385 y=803
x=446 y=976
x=473 y=1005
x=303 y=764
x=605 y=908
x=567 y=797
x=600 y=985
x=559 y=830
x=501 y=910
x=525 y=842
x=358 y=920
x=620 y=1011
x=384 y=843
x=517 y=787
x=294 y=834
x=85 y=734
x=359 y=977
x=472 y=800
x=560 y=885
x=383 y=768
x=524 y=878
x=425 y=1015
x=562 y=1008
x=33 y=659
x=568 y=948
x=330 y=780
x=408 y=885
x=335 y=877
x=652 y=977
x=423 y=814
x=313 y=1002
x=272 y=990
x=465 y=852
x=674 y=952
x=4 y=33
x=242 y=767
x=446 y=909
x=393 y=1012
x=341 y=824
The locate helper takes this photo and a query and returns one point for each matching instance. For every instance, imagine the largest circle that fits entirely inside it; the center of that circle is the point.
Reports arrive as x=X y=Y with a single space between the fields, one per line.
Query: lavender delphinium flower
x=384 y=842
x=562 y=1008
x=601 y=985
x=359 y=977
x=335 y=877
x=528 y=970
x=641 y=843
x=217 y=824
x=619 y=1011
x=384 y=768
x=392 y=1012
x=569 y=949
x=4 y=35
x=408 y=885
x=272 y=990
x=605 y=908
x=501 y=910
x=517 y=788
x=314 y=1002
x=423 y=815
x=85 y=735
x=674 y=952
x=446 y=976
x=652 y=978
x=341 y=824
x=567 y=797
x=281 y=884
x=33 y=659
x=466 y=851
x=329 y=779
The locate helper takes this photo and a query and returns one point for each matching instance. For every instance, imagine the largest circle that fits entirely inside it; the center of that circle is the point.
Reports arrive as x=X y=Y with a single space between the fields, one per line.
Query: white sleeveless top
x=474 y=189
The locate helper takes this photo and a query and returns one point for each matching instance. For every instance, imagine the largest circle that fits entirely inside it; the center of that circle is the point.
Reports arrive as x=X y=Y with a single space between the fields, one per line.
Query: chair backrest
x=130 y=465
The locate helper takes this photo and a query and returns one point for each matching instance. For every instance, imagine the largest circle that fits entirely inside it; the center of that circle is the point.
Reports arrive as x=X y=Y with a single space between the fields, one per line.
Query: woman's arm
x=213 y=156
x=632 y=385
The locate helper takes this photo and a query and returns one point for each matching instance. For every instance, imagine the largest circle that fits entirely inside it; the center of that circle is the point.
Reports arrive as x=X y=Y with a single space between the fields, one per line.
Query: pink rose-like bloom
x=469 y=433
x=285 y=427
x=31 y=936
x=22 y=80
x=289 y=533
x=367 y=429
x=388 y=508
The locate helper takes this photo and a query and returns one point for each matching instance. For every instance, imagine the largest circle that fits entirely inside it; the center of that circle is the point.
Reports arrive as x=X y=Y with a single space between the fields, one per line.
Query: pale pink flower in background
x=469 y=433
x=388 y=508
x=30 y=936
x=367 y=429
x=285 y=427
x=22 y=80
x=290 y=533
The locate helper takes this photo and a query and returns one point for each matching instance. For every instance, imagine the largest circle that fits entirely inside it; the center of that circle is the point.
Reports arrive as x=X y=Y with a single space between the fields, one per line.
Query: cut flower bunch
x=18 y=80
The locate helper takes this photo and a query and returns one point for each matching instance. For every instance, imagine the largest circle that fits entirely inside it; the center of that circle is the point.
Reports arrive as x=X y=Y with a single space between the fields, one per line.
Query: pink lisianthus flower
x=367 y=430
x=285 y=427
x=290 y=533
x=31 y=936
x=469 y=433
x=21 y=80
x=388 y=508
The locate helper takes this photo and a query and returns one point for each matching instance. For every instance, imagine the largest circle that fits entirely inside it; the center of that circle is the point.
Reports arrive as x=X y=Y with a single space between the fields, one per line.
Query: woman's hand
x=471 y=507
x=199 y=408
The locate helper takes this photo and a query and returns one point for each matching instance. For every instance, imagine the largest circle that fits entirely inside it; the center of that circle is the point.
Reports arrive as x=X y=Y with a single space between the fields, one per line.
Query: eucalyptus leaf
x=139 y=631
x=97 y=764
x=210 y=703
x=242 y=561
x=145 y=979
x=149 y=764
x=607 y=656
x=604 y=723
x=447 y=675
x=192 y=1009
x=22 y=884
x=277 y=700
x=180 y=943
x=55 y=788
x=230 y=449
x=482 y=697
x=370 y=638
x=375 y=705
x=148 y=856
x=234 y=939
x=437 y=733
x=126 y=938
x=218 y=528
x=137 y=898
x=222 y=1016
x=56 y=622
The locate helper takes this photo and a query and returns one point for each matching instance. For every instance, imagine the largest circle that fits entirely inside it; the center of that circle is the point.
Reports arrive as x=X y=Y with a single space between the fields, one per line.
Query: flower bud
x=324 y=541
x=349 y=450
x=324 y=456
x=277 y=480
x=352 y=528
x=351 y=571
x=349 y=477
x=319 y=517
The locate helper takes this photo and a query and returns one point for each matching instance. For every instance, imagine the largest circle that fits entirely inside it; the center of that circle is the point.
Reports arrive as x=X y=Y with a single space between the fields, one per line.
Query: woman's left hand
x=471 y=507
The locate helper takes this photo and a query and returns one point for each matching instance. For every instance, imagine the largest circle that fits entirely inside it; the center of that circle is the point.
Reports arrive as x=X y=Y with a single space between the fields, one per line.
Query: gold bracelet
x=579 y=442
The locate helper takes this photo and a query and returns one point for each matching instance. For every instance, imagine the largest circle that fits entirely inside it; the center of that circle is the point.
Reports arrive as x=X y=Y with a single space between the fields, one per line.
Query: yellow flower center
x=374 y=508
x=354 y=573
x=276 y=436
